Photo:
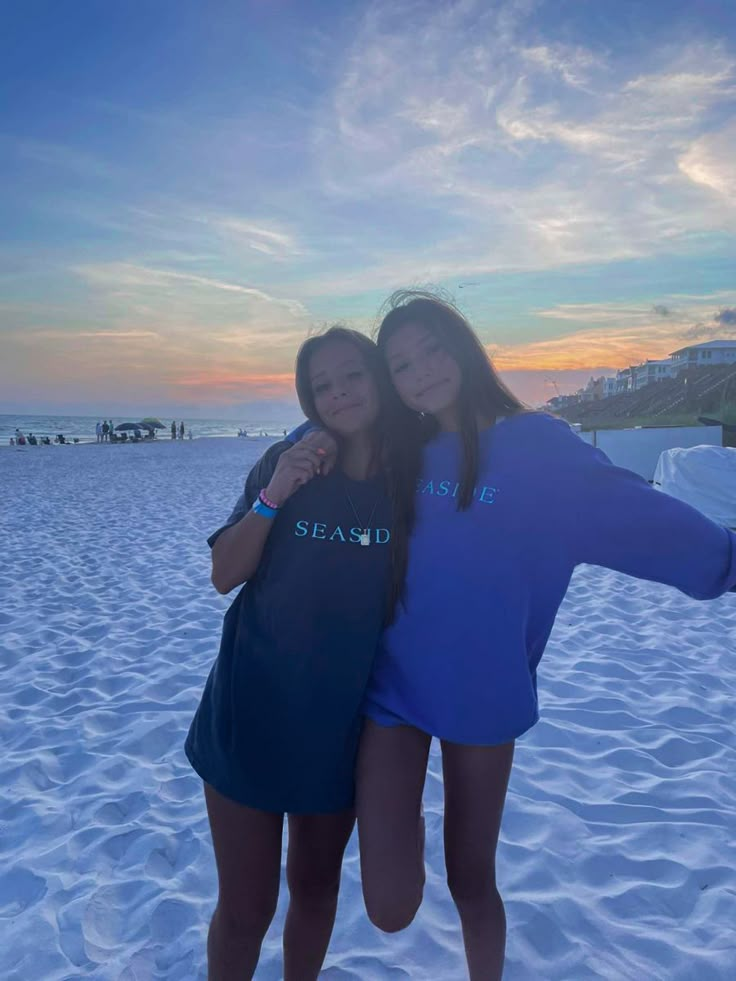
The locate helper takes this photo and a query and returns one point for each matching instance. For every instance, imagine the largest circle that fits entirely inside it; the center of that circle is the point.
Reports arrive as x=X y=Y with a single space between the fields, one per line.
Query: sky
x=188 y=190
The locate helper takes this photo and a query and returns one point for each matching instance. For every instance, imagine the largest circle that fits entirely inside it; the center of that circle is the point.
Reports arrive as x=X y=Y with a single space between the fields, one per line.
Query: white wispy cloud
x=59 y=156
x=711 y=162
x=268 y=240
x=70 y=335
x=573 y=64
x=546 y=154
x=678 y=309
x=123 y=275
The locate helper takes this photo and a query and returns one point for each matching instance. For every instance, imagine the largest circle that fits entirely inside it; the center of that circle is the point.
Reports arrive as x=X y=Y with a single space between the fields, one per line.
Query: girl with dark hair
x=276 y=731
x=493 y=509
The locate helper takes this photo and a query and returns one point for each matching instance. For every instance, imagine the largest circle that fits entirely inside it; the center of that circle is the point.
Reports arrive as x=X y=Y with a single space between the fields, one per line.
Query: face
x=426 y=377
x=345 y=393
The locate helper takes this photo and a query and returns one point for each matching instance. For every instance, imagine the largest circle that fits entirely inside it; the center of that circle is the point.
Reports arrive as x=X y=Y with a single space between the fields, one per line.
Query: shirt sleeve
x=616 y=519
x=257 y=479
x=301 y=431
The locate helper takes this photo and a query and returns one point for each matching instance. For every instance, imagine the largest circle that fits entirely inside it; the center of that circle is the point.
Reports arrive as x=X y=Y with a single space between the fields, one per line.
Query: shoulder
x=539 y=425
x=534 y=422
x=271 y=457
x=535 y=428
x=549 y=440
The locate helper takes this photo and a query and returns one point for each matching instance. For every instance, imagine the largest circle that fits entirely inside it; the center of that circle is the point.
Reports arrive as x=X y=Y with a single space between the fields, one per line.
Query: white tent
x=704 y=476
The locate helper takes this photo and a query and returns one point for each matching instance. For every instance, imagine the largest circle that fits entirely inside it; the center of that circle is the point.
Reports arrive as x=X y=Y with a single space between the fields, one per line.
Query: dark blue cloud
x=727 y=316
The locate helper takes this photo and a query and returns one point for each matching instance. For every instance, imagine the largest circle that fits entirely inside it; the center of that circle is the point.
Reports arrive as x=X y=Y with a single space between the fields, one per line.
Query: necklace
x=365 y=536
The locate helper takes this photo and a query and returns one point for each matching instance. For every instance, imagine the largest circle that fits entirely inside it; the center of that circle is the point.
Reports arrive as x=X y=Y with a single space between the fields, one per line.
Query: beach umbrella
x=146 y=425
x=152 y=423
x=127 y=425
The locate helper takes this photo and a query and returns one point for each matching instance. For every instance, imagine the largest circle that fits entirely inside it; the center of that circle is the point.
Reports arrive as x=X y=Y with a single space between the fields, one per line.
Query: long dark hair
x=482 y=394
x=394 y=430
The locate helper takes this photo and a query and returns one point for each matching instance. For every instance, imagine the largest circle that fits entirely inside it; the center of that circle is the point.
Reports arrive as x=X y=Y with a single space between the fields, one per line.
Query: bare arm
x=237 y=552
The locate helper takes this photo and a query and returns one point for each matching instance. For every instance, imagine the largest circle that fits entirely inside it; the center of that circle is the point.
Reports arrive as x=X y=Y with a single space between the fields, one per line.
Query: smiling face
x=425 y=376
x=344 y=390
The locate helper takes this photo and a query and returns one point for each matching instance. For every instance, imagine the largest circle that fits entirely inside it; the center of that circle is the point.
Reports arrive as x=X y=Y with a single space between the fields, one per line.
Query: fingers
x=328 y=462
x=319 y=439
x=301 y=464
x=325 y=445
x=302 y=475
x=301 y=455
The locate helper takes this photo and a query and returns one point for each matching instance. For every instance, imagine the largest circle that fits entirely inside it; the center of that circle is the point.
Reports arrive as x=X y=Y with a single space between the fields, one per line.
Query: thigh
x=392 y=767
x=247 y=845
x=476 y=779
x=317 y=844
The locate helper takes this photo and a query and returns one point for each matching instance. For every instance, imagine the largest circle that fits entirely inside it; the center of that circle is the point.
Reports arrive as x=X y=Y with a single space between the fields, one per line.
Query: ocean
x=83 y=427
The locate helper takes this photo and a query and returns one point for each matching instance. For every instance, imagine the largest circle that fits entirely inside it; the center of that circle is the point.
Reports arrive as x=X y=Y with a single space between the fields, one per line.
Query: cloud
x=711 y=162
x=57 y=156
x=107 y=335
x=619 y=334
x=123 y=275
x=711 y=331
x=726 y=317
x=615 y=347
x=602 y=314
x=543 y=155
x=573 y=64
x=262 y=239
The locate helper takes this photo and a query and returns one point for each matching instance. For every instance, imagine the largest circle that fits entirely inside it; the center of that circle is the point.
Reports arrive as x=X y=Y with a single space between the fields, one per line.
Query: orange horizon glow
x=588 y=350
x=235 y=382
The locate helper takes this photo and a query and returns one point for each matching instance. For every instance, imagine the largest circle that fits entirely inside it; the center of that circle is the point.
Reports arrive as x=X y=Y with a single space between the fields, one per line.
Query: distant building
x=624 y=381
x=638 y=376
x=651 y=371
x=597 y=389
x=563 y=401
x=703 y=355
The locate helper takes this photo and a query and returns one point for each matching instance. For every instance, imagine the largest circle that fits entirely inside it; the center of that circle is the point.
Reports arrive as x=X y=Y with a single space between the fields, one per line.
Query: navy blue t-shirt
x=278 y=725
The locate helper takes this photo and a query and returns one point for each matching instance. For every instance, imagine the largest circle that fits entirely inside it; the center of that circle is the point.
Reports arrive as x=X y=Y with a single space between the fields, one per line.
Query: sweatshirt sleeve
x=618 y=520
x=257 y=479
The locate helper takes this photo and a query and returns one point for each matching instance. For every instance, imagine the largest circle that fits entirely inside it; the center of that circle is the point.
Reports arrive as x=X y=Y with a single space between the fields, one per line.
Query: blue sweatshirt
x=484 y=585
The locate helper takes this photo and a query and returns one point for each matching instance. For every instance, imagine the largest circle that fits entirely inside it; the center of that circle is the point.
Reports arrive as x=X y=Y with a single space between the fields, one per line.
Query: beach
x=617 y=857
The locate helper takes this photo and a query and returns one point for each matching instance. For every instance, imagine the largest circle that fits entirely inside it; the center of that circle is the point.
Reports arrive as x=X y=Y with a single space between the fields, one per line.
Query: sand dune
x=618 y=852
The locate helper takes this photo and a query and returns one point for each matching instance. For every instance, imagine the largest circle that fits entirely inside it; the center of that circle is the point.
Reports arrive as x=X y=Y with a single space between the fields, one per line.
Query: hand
x=326 y=447
x=316 y=453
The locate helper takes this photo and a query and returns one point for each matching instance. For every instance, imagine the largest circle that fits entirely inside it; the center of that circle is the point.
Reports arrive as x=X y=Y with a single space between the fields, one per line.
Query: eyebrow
x=348 y=361
x=425 y=339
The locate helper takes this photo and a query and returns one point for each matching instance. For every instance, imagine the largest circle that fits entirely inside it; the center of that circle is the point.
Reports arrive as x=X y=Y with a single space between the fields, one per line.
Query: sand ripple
x=618 y=850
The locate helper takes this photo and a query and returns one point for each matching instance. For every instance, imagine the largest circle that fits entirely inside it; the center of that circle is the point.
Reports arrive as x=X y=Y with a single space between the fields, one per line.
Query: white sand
x=618 y=853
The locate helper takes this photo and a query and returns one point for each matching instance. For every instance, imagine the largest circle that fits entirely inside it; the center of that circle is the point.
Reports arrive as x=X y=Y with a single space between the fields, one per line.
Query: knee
x=392 y=910
x=241 y=920
x=314 y=891
x=472 y=887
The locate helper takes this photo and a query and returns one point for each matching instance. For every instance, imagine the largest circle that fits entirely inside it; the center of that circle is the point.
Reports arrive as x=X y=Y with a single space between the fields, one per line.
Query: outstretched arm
x=617 y=520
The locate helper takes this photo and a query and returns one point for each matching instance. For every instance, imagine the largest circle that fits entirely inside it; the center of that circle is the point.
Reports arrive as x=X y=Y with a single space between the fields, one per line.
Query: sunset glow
x=566 y=173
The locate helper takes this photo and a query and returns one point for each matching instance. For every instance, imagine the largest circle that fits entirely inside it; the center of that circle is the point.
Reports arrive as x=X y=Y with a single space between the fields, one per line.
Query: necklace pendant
x=365 y=538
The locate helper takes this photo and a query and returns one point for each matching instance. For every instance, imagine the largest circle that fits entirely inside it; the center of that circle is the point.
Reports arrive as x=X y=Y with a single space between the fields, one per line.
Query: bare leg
x=314 y=861
x=392 y=766
x=476 y=779
x=248 y=855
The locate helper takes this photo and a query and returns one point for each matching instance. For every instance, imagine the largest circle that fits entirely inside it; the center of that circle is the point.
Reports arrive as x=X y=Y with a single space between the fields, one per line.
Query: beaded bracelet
x=265 y=500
